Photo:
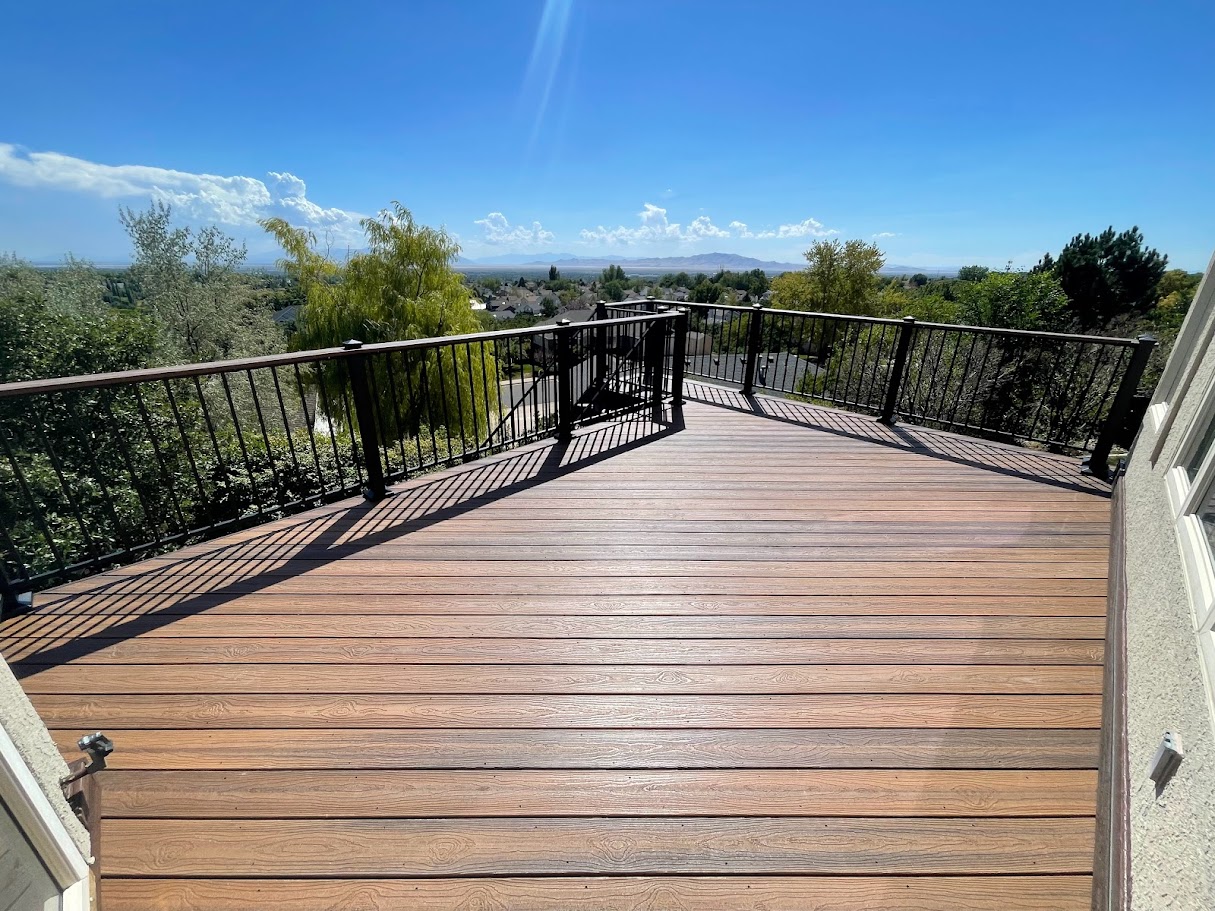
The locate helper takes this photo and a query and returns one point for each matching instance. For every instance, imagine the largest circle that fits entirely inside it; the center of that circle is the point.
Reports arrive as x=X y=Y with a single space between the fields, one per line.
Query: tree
x=48 y=329
x=402 y=287
x=613 y=273
x=1014 y=300
x=1175 y=295
x=919 y=279
x=548 y=307
x=192 y=285
x=553 y=274
x=841 y=278
x=1107 y=275
x=972 y=273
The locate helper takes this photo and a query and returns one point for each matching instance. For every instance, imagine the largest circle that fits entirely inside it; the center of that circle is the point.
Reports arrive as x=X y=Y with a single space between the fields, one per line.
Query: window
x=41 y=868
x=26 y=882
x=1192 y=340
x=1191 y=486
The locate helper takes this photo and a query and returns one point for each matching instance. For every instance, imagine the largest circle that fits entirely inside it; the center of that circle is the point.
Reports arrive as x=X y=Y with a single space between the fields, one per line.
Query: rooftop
x=756 y=654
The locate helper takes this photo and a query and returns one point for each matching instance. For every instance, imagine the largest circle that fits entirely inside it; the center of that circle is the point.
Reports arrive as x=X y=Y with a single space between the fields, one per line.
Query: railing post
x=601 y=343
x=679 y=355
x=1118 y=422
x=654 y=346
x=14 y=599
x=369 y=439
x=565 y=379
x=754 y=337
x=894 y=382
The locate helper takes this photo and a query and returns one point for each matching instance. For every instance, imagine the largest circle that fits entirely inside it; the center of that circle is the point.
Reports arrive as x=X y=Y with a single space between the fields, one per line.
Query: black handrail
x=1066 y=392
x=102 y=469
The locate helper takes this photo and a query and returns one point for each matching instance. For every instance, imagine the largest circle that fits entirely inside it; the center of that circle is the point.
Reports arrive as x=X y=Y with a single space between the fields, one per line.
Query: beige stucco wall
x=27 y=731
x=1172 y=835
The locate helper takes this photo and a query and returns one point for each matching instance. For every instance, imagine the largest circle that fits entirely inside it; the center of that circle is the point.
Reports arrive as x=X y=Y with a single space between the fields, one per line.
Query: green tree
x=553 y=274
x=613 y=273
x=1014 y=300
x=192 y=284
x=49 y=326
x=972 y=273
x=1107 y=275
x=1176 y=293
x=402 y=287
x=841 y=278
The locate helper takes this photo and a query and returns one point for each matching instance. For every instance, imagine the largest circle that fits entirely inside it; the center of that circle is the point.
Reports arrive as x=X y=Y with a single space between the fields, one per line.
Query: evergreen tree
x=1107 y=275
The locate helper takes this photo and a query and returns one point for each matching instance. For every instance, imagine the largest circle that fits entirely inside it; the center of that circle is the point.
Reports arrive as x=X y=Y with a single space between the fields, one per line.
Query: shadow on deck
x=750 y=660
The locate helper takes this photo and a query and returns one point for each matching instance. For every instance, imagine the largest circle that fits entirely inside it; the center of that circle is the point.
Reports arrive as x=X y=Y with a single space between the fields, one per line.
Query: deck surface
x=780 y=658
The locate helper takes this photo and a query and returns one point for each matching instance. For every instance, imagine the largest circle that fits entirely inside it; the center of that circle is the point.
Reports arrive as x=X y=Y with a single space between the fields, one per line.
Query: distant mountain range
x=700 y=262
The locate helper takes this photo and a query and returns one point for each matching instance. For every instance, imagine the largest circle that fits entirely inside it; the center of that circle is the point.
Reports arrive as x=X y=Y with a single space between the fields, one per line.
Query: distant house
x=574 y=316
x=286 y=316
x=475 y=304
x=504 y=313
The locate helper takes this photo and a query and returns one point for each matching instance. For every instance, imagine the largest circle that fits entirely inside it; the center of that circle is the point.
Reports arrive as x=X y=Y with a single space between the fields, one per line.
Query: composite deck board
x=518 y=711
x=558 y=679
x=559 y=626
x=611 y=893
x=421 y=795
x=239 y=580
x=569 y=847
x=267 y=605
x=488 y=748
x=782 y=659
x=110 y=648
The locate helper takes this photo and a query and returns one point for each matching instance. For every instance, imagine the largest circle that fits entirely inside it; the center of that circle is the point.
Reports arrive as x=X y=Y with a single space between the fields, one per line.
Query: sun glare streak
x=545 y=61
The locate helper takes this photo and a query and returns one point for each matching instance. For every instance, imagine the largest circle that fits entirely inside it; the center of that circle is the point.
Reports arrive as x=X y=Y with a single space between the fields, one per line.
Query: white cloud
x=811 y=227
x=703 y=227
x=239 y=201
x=498 y=232
x=655 y=227
x=881 y=234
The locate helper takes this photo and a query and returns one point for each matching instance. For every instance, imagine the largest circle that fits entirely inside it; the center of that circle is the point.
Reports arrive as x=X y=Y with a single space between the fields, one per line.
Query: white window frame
x=1194 y=336
x=1186 y=497
x=40 y=823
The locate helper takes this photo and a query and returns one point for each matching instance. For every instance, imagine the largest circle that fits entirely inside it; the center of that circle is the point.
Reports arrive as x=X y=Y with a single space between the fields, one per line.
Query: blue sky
x=951 y=132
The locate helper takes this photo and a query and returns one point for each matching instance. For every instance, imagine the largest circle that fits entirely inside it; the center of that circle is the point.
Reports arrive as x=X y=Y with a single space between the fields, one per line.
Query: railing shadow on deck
x=143 y=597
x=1046 y=468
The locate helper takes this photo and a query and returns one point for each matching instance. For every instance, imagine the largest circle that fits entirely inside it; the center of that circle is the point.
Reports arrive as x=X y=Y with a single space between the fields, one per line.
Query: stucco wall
x=29 y=734
x=1173 y=834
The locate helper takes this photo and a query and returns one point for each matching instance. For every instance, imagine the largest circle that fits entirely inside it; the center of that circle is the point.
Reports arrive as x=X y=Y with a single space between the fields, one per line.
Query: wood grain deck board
x=110 y=648
x=420 y=795
x=558 y=679
x=419 y=748
x=571 y=847
x=749 y=665
x=516 y=711
x=560 y=626
x=610 y=893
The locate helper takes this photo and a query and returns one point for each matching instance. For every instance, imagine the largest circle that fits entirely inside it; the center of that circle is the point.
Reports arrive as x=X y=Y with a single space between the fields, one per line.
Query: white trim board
x=38 y=820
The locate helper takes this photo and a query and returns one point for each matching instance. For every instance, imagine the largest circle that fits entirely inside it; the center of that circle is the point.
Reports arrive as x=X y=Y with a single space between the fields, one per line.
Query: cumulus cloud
x=239 y=201
x=498 y=232
x=811 y=227
x=703 y=227
x=881 y=234
x=655 y=227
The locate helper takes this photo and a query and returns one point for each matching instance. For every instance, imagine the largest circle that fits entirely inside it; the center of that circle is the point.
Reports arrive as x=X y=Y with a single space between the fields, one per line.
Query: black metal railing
x=1068 y=393
x=102 y=469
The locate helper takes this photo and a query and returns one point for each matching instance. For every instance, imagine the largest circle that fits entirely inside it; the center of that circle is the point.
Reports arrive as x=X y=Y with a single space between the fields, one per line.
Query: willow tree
x=401 y=287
